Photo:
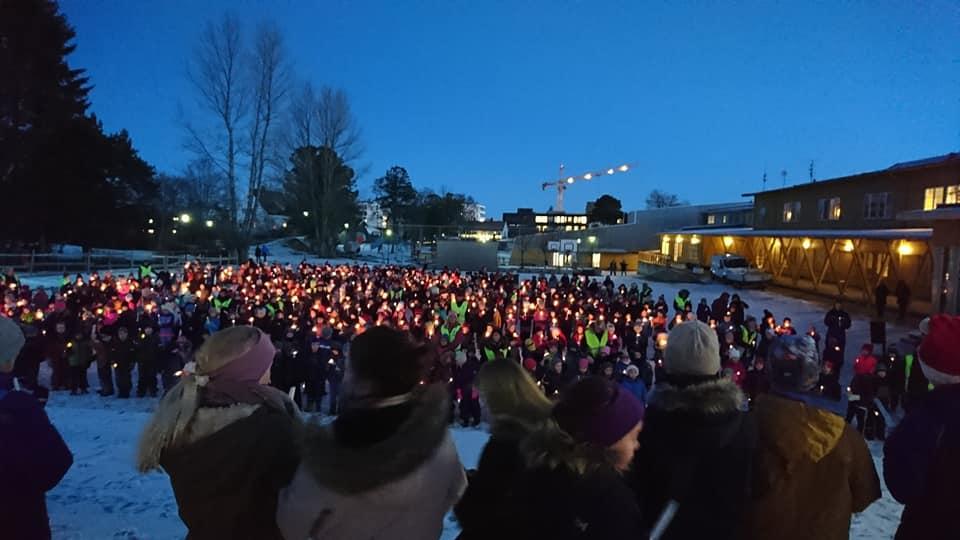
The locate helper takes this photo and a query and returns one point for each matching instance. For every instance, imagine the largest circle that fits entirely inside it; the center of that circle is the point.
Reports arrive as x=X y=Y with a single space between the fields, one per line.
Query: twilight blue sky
x=489 y=97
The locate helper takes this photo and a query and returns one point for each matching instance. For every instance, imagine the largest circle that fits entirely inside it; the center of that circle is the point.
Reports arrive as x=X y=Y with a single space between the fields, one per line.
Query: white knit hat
x=692 y=349
x=11 y=340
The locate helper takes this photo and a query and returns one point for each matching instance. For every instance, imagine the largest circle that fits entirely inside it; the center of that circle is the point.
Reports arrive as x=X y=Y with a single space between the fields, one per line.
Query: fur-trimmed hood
x=720 y=396
x=549 y=447
x=704 y=416
x=356 y=469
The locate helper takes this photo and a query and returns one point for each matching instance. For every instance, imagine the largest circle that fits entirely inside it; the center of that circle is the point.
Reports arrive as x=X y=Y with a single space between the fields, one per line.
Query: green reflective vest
x=681 y=302
x=594 y=343
x=222 y=304
x=459 y=309
x=749 y=338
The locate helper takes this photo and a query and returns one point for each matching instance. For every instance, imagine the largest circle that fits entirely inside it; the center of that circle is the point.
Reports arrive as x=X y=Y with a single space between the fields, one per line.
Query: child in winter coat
x=80 y=356
x=632 y=383
x=555 y=380
x=866 y=362
x=734 y=369
x=468 y=396
x=830 y=382
x=148 y=355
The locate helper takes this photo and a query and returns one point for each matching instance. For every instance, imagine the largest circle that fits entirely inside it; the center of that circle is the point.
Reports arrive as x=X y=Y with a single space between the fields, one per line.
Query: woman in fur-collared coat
x=226 y=439
x=386 y=467
x=697 y=445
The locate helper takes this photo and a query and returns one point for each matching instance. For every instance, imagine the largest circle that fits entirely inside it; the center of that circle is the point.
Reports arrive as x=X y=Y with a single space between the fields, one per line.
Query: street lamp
x=150 y=221
x=150 y=231
x=209 y=223
x=389 y=232
x=185 y=218
x=284 y=225
x=346 y=225
x=592 y=239
x=306 y=213
x=174 y=231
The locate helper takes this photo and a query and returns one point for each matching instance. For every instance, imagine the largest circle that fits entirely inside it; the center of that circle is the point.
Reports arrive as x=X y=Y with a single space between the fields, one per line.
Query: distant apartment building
x=373 y=217
x=526 y=221
x=475 y=212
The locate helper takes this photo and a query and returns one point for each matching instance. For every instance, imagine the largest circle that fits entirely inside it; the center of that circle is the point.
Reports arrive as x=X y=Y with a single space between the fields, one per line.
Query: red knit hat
x=939 y=352
x=530 y=364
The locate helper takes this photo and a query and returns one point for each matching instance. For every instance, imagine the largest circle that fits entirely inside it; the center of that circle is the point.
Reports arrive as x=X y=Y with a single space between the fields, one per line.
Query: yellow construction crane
x=562 y=182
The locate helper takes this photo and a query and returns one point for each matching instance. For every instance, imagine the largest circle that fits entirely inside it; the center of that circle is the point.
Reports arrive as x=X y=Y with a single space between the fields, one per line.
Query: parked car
x=736 y=270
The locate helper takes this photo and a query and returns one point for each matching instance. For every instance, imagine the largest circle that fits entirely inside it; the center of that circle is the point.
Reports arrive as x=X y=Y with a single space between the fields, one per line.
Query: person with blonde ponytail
x=225 y=438
x=517 y=407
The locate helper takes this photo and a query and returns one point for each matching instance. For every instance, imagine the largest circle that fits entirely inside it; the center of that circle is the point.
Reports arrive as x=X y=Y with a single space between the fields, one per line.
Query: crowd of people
x=631 y=416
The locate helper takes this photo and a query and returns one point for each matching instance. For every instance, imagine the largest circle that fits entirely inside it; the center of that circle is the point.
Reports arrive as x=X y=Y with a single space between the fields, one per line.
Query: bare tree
x=269 y=74
x=662 y=199
x=215 y=71
x=324 y=119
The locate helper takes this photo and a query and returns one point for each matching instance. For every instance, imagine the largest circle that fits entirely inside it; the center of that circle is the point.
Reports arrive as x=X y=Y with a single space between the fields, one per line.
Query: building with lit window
x=526 y=221
x=842 y=237
x=475 y=212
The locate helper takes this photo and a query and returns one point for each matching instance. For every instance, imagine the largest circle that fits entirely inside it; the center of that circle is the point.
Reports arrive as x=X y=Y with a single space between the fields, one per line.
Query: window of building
x=725 y=219
x=791 y=212
x=876 y=206
x=935 y=196
x=542 y=219
x=829 y=209
x=711 y=219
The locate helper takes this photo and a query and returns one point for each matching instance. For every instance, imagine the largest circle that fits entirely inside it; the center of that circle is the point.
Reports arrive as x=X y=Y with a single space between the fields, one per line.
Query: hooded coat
x=568 y=491
x=920 y=466
x=391 y=472
x=811 y=473
x=226 y=476
x=33 y=459
x=486 y=504
x=696 y=448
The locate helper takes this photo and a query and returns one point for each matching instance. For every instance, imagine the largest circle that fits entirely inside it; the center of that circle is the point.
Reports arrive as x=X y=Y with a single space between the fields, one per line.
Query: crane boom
x=562 y=182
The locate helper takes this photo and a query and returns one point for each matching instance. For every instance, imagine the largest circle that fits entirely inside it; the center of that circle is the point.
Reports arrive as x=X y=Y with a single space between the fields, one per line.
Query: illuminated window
x=665 y=245
x=791 y=212
x=542 y=219
x=829 y=209
x=711 y=219
x=953 y=195
x=932 y=197
x=876 y=206
x=724 y=219
x=582 y=219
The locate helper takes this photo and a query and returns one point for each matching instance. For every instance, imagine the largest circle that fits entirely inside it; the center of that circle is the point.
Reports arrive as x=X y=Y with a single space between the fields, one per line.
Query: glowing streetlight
x=174 y=231
x=306 y=213
x=592 y=239
x=150 y=221
x=346 y=225
x=284 y=225
x=389 y=232
x=150 y=231
x=209 y=223
x=185 y=218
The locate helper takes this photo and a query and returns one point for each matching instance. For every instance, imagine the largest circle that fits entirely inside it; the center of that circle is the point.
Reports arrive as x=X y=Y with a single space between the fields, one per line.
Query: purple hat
x=597 y=411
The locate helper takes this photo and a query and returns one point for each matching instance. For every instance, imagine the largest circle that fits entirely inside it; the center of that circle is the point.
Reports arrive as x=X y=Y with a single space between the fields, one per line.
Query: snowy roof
x=899 y=234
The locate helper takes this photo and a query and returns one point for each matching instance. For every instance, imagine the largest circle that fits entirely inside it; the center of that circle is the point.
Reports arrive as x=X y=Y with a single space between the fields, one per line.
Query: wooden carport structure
x=845 y=264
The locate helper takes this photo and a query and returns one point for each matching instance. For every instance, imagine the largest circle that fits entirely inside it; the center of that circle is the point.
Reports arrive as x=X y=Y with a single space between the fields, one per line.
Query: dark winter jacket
x=811 y=472
x=485 y=505
x=568 y=491
x=837 y=322
x=227 y=477
x=921 y=470
x=696 y=448
x=33 y=459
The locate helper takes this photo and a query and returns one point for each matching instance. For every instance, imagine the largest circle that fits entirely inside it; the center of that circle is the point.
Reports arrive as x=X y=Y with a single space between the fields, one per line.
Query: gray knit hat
x=692 y=349
x=11 y=341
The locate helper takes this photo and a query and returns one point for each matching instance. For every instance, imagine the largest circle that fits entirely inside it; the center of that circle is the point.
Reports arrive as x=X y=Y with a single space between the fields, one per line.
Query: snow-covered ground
x=103 y=497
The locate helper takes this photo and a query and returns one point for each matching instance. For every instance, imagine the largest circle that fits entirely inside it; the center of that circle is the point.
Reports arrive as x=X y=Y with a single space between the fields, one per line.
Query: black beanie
x=389 y=359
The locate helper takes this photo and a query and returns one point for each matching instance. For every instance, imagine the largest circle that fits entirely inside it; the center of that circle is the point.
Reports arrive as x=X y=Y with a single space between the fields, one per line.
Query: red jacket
x=865 y=365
